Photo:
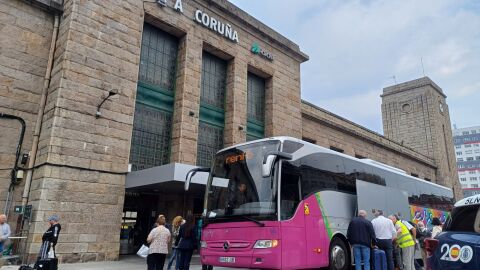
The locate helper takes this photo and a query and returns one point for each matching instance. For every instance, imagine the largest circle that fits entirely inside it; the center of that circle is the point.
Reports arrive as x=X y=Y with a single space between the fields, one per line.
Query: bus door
x=293 y=219
x=371 y=197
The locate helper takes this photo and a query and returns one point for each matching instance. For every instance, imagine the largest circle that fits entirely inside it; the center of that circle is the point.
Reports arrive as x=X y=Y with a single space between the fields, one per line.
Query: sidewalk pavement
x=125 y=263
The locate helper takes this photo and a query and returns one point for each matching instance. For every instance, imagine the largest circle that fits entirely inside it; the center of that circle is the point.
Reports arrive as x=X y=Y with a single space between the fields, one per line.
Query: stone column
x=187 y=100
x=236 y=103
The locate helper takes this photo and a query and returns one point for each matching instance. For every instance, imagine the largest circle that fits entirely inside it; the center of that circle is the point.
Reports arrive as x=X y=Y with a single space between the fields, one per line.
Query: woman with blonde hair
x=158 y=239
x=176 y=223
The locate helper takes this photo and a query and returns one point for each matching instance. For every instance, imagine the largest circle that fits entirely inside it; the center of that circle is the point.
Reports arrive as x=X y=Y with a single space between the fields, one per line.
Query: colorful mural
x=418 y=213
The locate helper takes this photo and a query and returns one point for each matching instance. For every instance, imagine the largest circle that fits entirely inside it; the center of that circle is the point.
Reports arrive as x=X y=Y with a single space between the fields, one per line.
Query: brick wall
x=83 y=160
x=26 y=34
x=328 y=130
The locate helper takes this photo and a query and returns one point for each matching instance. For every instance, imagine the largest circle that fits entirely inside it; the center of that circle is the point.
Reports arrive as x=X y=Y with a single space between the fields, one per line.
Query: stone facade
x=82 y=160
x=26 y=33
x=330 y=130
x=416 y=114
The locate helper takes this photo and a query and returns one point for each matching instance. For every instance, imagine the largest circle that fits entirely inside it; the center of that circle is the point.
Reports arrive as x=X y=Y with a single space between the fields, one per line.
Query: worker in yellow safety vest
x=406 y=243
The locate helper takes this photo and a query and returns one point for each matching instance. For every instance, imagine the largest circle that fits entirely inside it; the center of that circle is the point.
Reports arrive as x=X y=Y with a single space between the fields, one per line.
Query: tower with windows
x=415 y=114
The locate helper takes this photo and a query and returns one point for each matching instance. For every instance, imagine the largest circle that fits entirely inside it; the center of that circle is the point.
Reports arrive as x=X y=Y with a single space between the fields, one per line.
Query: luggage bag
x=47 y=264
x=379 y=260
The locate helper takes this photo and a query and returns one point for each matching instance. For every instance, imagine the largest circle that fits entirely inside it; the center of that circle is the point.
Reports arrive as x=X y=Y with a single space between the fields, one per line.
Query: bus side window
x=290 y=191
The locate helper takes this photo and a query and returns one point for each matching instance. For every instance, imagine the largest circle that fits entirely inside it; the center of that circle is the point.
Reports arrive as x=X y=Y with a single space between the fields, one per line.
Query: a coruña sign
x=216 y=25
x=212 y=23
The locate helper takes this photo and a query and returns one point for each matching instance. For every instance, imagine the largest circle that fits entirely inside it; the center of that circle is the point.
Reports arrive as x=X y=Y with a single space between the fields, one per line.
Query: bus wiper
x=259 y=223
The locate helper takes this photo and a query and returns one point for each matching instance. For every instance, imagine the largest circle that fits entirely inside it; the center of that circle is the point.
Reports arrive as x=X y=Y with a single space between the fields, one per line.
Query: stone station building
x=179 y=80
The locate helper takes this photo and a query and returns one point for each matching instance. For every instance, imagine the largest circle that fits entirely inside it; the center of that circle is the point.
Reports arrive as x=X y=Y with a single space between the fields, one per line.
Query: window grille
x=158 y=58
x=255 y=107
x=256 y=98
x=150 y=138
x=210 y=140
x=214 y=81
x=152 y=122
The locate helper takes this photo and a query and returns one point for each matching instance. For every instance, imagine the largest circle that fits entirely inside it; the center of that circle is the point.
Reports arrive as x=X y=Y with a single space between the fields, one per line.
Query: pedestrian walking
x=405 y=242
x=186 y=243
x=437 y=227
x=158 y=239
x=361 y=236
x=385 y=232
x=176 y=223
x=4 y=231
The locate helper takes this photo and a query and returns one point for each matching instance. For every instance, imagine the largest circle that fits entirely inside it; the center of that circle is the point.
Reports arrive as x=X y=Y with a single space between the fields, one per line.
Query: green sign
x=28 y=212
x=256 y=49
x=18 y=209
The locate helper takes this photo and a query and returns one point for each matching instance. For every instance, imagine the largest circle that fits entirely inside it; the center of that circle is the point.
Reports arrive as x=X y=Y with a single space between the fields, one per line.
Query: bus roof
x=370 y=162
x=473 y=200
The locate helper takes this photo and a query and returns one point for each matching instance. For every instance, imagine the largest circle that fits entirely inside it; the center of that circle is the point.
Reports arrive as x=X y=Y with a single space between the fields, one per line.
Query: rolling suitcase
x=47 y=264
x=43 y=262
x=379 y=260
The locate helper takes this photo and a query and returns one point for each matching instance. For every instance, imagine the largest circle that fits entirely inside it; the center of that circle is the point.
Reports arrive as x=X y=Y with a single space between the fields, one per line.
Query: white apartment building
x=467 y=151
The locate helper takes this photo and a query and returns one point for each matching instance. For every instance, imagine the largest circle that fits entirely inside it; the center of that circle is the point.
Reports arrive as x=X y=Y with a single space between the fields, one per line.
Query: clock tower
x=415 y=114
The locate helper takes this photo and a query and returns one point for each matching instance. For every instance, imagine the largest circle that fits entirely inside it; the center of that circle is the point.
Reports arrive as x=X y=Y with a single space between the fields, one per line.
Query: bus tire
x=339 y=255
x=207 y=267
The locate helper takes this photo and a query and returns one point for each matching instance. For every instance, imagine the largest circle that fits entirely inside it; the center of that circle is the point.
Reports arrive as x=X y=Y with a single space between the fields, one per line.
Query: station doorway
x=143 y=204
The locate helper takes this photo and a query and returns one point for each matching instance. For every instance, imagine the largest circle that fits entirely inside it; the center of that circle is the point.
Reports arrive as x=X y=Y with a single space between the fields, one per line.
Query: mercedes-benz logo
x=226 y=246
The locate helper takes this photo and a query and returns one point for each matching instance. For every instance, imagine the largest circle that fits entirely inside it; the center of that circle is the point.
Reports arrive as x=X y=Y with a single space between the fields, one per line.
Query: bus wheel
x=207 y=267
x=339 y=258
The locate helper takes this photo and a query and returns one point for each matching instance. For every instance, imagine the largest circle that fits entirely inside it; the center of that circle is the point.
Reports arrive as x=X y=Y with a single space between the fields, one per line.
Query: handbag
x=143 y=251
x=51 y=254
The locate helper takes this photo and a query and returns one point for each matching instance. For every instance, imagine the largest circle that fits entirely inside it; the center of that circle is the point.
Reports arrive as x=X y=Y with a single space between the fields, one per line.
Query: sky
x=357 y=48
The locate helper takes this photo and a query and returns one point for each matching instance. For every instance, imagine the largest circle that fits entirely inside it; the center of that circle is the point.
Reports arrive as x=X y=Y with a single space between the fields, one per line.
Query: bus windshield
x=236 y=187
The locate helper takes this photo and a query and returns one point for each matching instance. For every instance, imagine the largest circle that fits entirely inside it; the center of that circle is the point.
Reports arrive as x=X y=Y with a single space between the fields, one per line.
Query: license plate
x=226 y=259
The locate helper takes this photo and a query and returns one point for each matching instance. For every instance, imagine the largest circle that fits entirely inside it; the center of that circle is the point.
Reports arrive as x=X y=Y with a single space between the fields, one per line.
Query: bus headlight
x=266 y=244
x=203 y=244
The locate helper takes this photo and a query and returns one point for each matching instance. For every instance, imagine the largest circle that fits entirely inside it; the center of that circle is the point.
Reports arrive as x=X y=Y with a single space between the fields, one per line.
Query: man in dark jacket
x=50 y=237
x=361 y=236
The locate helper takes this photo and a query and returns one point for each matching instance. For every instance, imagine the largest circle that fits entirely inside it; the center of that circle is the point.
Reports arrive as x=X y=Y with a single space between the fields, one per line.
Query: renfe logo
x=257 y=50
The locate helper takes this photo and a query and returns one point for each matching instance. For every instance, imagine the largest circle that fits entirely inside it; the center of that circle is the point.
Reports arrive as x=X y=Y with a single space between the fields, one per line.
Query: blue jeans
x=173 y=257
x=362 y=254
x=387 y=246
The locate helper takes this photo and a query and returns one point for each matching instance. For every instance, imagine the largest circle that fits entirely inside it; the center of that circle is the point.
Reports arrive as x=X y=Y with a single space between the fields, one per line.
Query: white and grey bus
x=283 y=203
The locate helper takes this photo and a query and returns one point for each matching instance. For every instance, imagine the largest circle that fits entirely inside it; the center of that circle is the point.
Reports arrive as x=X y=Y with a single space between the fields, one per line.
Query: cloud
x=364 y=106
x=356 y=46
x=467 y=91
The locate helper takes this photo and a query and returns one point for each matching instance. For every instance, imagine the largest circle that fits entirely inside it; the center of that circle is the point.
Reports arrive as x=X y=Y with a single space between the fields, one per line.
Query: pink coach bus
x=283 y=203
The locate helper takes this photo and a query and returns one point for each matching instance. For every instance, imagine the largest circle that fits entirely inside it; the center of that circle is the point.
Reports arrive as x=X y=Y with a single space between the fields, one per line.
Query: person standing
x=361 y=236
x=405 y=242
x=5 y=232
x=158 y=239
x=176 y=223
x=422 y=234
x=186 y=243
x=50 y=237
x=385 y=233
x=49 y=240
x=437 y=227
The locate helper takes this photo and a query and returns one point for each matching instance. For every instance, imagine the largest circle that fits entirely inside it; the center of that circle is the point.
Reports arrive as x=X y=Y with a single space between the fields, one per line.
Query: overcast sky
x=356 y=47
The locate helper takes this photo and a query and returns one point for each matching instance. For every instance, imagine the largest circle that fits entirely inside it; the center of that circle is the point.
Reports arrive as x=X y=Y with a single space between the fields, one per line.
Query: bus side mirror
x=191 y=173
x=269 y=161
